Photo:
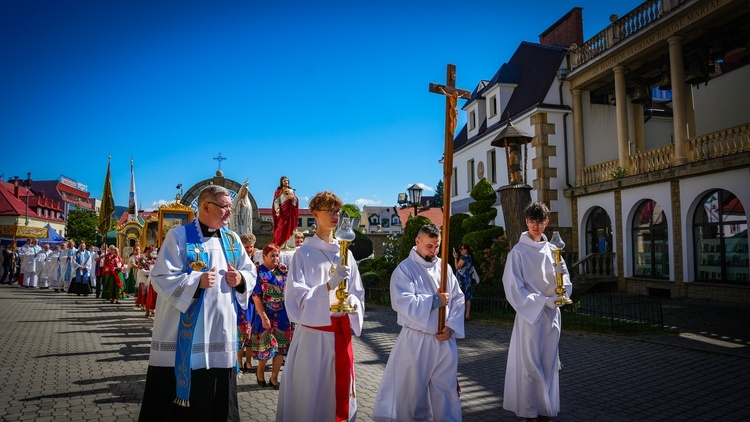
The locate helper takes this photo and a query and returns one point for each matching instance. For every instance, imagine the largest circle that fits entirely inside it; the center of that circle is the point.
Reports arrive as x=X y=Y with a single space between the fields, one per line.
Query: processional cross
x=220 y=159
x=452 y=94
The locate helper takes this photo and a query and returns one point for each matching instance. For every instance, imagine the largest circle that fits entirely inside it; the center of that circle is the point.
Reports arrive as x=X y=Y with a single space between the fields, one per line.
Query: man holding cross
x=420 y=378
x=202 y=275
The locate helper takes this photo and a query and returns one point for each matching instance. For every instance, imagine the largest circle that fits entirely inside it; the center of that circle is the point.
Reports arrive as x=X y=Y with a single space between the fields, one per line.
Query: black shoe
x=260 y=382
x=275 y=386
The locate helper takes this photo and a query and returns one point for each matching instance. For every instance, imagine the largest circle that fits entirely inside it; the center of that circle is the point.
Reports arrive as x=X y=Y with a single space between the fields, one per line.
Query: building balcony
x=712 y=152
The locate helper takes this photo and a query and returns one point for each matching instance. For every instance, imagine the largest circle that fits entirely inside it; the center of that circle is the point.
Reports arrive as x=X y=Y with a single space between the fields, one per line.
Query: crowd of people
x=80 y=270
x=214 y=287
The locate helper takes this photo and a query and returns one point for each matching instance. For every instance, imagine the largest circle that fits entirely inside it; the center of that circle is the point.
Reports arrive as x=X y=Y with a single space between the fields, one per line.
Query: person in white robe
x=92 y=267
x=312 y=389
x=420 y=379
x=41 y=265
x=29 y=263
x=223 y=282
x=68 y=272
x=532 y=389
x=60 y=266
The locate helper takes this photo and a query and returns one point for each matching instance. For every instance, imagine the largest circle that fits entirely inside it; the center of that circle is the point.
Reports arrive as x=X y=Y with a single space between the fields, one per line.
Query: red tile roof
x=434 y=214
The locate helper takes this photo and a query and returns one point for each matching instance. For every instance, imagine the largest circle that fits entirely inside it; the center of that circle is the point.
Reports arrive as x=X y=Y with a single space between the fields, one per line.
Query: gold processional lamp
x=557 y=246
x=345 y=236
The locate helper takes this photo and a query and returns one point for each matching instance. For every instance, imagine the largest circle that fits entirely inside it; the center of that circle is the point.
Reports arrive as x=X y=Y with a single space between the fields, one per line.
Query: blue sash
x=197 y=260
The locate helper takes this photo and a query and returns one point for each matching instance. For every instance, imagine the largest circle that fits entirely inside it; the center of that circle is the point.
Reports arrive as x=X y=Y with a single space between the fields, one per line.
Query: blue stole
x=197 y=260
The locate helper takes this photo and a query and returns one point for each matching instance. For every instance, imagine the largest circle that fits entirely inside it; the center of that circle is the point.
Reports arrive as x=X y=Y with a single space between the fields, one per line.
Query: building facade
x=646 y=162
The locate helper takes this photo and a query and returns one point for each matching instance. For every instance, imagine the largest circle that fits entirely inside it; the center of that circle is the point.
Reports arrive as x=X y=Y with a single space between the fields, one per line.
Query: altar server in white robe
x=68 y=271
x=420 y=378
x=318 y=381
x=201 y=274
x=41 y=266
x=532 y=389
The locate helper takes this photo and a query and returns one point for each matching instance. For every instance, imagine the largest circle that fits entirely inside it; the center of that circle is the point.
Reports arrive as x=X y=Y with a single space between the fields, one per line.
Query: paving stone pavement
x=70 y=358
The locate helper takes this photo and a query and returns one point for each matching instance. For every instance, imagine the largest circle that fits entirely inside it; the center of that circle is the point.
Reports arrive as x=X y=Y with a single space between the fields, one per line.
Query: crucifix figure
x=452 y=95
x=220 y=159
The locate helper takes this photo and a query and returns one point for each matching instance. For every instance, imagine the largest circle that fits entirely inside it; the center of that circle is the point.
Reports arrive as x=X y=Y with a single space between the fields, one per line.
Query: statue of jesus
x=285 y=212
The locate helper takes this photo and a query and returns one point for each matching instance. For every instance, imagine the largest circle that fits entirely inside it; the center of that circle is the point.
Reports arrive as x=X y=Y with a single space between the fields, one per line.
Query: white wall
x=723 y=103
x=659 y=132
x=692 y=189
x=599 y=132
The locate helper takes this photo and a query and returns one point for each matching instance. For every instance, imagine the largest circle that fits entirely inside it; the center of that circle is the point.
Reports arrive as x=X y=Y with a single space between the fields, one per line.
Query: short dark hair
x=537 y=211
x=430 y=230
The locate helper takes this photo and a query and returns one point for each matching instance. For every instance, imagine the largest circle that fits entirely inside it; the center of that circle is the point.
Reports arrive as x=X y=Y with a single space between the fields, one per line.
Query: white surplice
x=308 y=380
x=49 y=272
x=532 y=375
x=215 y=336
x=41 y=264
x=419 y=381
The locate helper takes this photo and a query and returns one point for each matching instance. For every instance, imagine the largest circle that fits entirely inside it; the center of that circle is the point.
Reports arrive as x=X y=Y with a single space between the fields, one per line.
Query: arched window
x=720 y=234
x=598 y=232
x=650 y=242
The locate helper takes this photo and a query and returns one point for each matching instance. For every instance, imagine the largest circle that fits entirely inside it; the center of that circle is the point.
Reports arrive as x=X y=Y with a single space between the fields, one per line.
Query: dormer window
x=493 y=106
x=472 y=120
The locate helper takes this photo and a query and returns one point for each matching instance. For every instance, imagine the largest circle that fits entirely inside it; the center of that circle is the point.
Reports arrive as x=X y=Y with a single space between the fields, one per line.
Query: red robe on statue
x=286 y=221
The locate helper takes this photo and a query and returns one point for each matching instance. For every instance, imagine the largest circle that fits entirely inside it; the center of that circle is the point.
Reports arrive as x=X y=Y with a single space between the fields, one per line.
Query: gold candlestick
x=345 y=235
x=557 y=246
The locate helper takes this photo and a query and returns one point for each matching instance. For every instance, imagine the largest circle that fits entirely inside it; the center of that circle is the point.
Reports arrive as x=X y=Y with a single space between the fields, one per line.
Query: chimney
x=566 y=31
x=15 y=187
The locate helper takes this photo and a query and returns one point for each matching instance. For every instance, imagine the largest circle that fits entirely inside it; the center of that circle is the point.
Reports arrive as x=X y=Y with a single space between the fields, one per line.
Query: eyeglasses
x=332 y=212
x=536 y=223
x=227 y=208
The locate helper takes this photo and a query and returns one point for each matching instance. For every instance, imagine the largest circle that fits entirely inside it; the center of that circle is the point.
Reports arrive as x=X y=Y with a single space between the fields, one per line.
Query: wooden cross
x=220 y=159
x=451 y=119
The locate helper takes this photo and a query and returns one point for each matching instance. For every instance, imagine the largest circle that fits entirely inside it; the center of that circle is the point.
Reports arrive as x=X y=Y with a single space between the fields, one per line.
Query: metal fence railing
x=599 y=312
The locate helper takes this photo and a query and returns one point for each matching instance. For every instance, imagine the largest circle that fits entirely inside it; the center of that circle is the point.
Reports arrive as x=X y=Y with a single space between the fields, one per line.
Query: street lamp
x=415 y=194
x=179 y=186
x=28 y=185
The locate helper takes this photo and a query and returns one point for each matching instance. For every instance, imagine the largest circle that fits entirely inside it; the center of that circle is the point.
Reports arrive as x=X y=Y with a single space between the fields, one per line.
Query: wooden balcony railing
x=724 y=142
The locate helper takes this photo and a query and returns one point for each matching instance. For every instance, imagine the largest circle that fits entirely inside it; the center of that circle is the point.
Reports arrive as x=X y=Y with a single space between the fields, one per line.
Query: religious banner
x=19 y=231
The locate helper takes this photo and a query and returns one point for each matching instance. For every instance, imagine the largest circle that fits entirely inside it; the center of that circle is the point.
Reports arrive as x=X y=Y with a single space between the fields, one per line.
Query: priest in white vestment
x=318 y=380
x=222 y=276
x=420 y=378
x=532 y=388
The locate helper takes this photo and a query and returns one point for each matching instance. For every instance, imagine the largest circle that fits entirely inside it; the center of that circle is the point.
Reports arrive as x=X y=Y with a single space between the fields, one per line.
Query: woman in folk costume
x=285 y=213
x=114 y=280
x=532 y=383
x=318 y=381
x=272 y=331
x=151 y=294
x=133 y=262
x=68 y=272
x=141 y=277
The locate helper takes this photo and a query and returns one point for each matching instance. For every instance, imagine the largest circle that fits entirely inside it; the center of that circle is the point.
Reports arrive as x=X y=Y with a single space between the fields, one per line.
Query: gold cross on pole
x=452 y=95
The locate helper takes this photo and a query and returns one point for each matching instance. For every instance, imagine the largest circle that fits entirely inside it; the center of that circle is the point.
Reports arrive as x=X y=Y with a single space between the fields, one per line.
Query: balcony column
x=676 y=71
x=621 y=105
x=640 y=129
x=580 y=161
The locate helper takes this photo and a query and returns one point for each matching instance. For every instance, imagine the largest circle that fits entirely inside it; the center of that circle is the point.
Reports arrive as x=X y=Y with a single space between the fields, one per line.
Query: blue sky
x=333 y=95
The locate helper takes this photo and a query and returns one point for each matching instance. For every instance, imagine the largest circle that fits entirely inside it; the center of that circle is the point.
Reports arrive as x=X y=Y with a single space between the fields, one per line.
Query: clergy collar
x=206 y=231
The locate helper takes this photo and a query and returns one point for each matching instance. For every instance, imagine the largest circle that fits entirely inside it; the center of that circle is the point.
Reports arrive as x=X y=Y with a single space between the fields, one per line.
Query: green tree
x=361 y=247
x=480 y=234
x=410 y=233
x=438 y=201
x=352 y=210
x=82 y=226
